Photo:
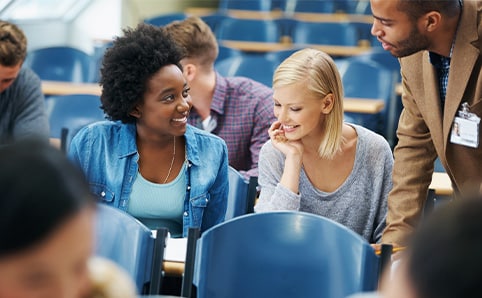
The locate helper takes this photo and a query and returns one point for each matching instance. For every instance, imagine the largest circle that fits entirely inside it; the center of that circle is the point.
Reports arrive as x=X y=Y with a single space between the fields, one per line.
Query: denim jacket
x=107 y=153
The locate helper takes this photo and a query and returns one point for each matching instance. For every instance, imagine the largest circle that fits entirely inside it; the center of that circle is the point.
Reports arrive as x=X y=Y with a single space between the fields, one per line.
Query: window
x=33 y=10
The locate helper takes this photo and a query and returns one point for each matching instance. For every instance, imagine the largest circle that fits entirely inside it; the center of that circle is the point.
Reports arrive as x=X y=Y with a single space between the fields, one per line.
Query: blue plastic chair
x=164 y=19
x=242 y=194
x=258 y=68
x=213 y=20
x=326 y=33
x=226 y=52
x=386 y=60
x=357 y=7
x=249 y=30
x=126 y=241
x=283 y=254
x=257 y=5
x=308 y=6
x=280 y=56
x=68 y=113
x=61 y=63
x=368 y=79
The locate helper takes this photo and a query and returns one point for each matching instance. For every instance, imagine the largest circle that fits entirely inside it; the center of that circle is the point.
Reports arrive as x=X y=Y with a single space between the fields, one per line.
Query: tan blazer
x=424 y=133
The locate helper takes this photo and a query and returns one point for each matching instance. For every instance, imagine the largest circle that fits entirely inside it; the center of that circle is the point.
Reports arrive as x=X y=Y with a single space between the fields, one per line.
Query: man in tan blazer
x=438 y=43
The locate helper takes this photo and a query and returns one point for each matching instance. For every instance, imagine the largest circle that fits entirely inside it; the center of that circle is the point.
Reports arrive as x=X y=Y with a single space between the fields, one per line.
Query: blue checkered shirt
x=442 y=65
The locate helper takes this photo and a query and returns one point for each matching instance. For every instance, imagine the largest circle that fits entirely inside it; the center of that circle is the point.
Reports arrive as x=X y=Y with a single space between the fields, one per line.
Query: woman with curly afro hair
x=147 y=160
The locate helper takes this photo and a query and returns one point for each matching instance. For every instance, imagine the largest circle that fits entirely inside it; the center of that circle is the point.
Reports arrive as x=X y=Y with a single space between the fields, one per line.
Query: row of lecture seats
x=290 y=6
x=281 y=30
x=64 y=63
x=252 y=255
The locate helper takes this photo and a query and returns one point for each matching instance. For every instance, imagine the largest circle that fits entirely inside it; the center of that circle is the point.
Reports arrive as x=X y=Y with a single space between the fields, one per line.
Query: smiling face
x=395 y=30
x=55 y=268
x=300 y=112
x=166 y=105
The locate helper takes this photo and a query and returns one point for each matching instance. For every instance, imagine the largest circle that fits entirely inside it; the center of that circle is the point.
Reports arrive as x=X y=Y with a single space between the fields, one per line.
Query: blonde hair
x=196 y=38
x=321 y=75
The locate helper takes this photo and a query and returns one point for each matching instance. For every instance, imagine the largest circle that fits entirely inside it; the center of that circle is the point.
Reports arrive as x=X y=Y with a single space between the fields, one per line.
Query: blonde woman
x=314 y=162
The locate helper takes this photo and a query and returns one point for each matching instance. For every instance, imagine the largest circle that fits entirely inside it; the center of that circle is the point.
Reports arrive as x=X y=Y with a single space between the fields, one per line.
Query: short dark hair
x=40 y=190
x=13 y=44
x=129 y=64
x=417 y=8
x=445 y=259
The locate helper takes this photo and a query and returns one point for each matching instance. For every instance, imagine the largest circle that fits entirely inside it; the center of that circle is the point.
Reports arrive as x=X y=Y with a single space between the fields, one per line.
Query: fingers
x=276 y=132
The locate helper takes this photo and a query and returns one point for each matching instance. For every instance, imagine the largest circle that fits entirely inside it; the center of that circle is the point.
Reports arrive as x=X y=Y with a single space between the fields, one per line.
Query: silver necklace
x=172 y=161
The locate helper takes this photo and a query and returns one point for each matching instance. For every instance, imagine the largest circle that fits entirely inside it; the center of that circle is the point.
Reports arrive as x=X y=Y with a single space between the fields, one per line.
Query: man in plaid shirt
x=238 y=109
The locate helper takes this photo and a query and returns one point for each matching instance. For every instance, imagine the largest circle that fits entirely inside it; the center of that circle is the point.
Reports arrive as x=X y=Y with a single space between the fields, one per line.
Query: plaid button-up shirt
x=243 y=112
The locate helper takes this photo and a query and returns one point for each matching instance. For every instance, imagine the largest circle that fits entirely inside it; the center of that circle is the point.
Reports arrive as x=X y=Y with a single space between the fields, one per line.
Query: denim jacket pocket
x=198 y=204
x=102 y=193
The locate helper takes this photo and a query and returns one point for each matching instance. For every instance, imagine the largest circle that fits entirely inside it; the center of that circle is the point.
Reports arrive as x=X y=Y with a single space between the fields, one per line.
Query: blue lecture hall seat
x=164 y=19
x=367 y=79
x=126 y=241
x=258 y=68
x=61 y=63
x=68 y=113
x=257 y=5
x=325 y=33
x=249 y=30
x=241 y=194
x=283 y=254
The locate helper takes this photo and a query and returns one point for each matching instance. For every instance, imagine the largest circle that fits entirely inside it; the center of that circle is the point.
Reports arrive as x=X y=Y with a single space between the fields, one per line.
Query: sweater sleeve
x=273 y=195
x=30 y=114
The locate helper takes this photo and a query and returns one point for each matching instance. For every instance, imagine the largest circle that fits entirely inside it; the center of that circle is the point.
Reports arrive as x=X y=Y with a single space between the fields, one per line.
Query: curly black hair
x=130 y=63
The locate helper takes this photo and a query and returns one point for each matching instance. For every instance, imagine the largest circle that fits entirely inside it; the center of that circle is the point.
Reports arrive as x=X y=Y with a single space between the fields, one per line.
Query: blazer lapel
x=462 y=63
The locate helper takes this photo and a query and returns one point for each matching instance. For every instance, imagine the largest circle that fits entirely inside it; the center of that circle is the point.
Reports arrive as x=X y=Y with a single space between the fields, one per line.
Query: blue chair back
x=126 y=241
x=368 y=79
x=241 y=194
x=308 y=6
x=326 y=33
x=98 y=56
x=283 y=254
x=226 y=52
x=280 y=56
x=71 y=112
x=61 y=63
x=249 y=30
x=258 y=68
x=164 y=19
x=257 y=5
x=213 y=20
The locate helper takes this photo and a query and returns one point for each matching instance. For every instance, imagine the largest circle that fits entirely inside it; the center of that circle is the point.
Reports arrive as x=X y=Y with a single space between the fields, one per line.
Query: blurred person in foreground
x=442 y=259
x=46 y=226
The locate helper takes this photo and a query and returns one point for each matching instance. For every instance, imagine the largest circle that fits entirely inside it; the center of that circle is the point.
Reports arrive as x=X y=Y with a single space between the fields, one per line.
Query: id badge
x=465 y=128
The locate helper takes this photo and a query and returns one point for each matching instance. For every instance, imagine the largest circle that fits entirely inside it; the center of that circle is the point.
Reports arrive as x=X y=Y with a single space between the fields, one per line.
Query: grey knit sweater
x=360 y=203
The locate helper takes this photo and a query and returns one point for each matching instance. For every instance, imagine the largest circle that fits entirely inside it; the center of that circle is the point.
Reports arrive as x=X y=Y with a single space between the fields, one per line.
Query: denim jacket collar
x=128 y=146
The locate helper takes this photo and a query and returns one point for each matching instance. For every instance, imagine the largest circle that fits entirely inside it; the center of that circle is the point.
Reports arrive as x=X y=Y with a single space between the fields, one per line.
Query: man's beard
x=414 y=43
